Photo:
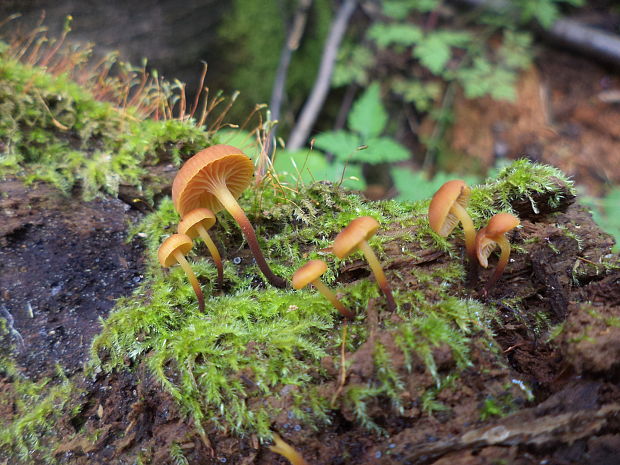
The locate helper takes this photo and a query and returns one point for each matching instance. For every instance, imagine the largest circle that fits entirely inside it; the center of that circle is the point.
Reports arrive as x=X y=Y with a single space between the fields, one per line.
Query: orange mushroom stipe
x=355 y=236
x=489 y=237
x=173 y=251
x=311 y=273
x=214 y=178
x=285 y=450
x=197 y=223
x=447 y=208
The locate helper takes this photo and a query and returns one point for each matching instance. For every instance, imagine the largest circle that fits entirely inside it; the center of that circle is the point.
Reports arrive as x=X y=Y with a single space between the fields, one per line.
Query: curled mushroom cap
x=171 y=252
x=196 y=223
x=311 y=272
x=355 y=236
x=213 y=179
x=447 y=208
x=491 y=236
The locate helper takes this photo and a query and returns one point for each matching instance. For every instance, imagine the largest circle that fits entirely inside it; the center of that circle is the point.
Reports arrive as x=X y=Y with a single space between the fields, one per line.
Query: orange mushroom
x=285 y=450
x=355 y=236
x=197 y=223
x=489 y=237
x=447 y=208
x=311 y=272
x=214 y=178
x=173 y=251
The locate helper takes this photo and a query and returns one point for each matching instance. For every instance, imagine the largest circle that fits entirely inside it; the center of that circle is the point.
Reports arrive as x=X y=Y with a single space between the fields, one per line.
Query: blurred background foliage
x=409 y=78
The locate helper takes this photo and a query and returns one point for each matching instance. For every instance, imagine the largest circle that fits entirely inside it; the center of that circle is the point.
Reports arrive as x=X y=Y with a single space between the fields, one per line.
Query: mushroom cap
x=501 y=223
x=193 y=185
x=176 y=242
x=358 y=230
x=486 y=238
x=308 y=273
x=439 y=216
x=190 y=222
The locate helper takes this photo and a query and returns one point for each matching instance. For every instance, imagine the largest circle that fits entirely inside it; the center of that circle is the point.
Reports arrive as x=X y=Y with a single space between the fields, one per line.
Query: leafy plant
x=606 y=212
x=363 y=142
x=415 y=185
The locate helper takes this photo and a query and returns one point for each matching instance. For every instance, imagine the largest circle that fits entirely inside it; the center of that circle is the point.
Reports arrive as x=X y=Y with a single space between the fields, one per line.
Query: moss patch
x=256 y=345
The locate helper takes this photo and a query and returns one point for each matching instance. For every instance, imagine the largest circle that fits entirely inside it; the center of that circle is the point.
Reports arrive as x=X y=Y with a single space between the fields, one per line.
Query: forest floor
x=64 y=262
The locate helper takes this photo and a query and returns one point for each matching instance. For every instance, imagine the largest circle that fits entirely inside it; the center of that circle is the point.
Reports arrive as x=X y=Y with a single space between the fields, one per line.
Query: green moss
x=30 y=432
x=55 y=131
x=518 y=181
x=257 y=344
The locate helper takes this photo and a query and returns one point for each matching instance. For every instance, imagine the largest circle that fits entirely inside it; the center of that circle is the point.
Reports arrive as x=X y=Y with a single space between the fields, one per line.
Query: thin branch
x=590 y=41
x=292 y=43
x=315 y=101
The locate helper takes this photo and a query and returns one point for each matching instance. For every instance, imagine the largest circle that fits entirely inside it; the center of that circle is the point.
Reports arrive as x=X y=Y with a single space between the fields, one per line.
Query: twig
x=321 y=85
x=291 y=44
x=567 y=32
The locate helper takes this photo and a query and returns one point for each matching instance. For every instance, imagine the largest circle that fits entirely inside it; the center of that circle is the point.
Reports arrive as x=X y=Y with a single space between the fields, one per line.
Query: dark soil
x=64 y=262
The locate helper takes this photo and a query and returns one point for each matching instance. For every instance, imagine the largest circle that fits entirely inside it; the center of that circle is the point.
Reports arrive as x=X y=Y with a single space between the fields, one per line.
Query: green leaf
x=422 y=94
x=396 y=9
x=352 y=65
x=415 y=185
x=399 y=9
x=381 y=150
x=241 y=139
x=368 y=116
x=307 y=166
x=516 y=49
x=303 y=165
x=485 y=79
x=545 y=12
x=341 y=143
x=434 y=50
x=401 y=34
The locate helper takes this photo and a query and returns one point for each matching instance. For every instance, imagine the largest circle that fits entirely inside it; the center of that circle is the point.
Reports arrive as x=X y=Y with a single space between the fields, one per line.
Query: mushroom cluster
x=215 y=177
x=208 y=182
x=448 y=208
x=353 y=237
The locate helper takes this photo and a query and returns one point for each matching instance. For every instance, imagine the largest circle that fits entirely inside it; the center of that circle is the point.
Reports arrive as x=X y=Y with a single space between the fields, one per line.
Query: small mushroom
x=173 y=251
x=214 y=178
x=447 y=208
x=491 y=236
x=311 y=272
x=196 y=223
x=285 y=450
x=355 y=236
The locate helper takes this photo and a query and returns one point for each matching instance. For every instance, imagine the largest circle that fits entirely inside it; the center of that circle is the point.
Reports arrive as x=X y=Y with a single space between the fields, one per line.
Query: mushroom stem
x=192 y=278
x=377 y=270
x=214 y=253
x=329 y=295
x=285 y=450
x=229 y=202
x=504 y=246
x=468 y=229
